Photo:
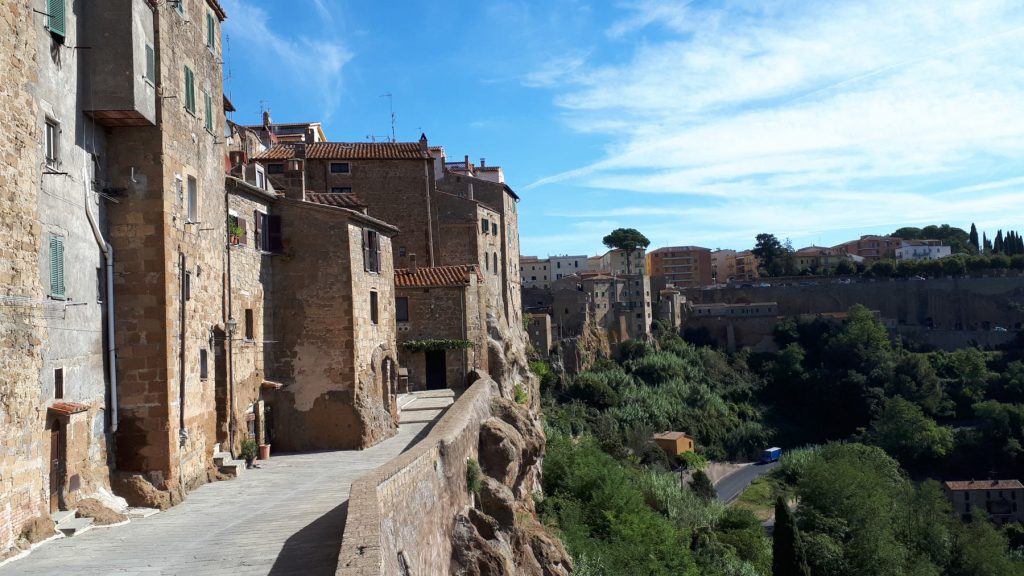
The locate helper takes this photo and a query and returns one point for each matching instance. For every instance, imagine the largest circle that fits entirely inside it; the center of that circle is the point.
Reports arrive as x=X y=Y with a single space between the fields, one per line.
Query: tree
x=974 y=238
x=628 y=240
x=702 y=486
x=997 y=244
x=769 y=252
x=845 y=267
x=788 y=558
x=902 y=430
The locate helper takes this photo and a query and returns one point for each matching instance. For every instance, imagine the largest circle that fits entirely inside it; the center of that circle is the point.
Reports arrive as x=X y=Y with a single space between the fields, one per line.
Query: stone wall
x=331 y=358
x=407 y=507
x=23 y=450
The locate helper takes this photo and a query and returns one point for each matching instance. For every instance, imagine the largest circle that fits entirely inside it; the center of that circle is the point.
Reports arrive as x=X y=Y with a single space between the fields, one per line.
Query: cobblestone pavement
x=284 y=518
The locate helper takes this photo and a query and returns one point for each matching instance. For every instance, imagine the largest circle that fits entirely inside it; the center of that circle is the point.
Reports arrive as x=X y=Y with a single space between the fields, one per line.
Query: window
x=188 y=286
x=261 y=178
x=341 y=190
x=57 y=267
x=190 y=91
x=275 y=168
x=150 y=65
x=495 y=256
x=374 y=315
x=211 y=32
x=52 y=148
x=250 y=329
x=484 y=226
x=55 y=18
x=204 y=364
x=494 y=228
x=558 y=265
x=487 y=263
x=339 y=167
x=268 y=232
x=401 y=251
x=402 y=309
x=193 y=200
x=58 y=383
x=179 y=6
x=371 y=251
x=208 y=110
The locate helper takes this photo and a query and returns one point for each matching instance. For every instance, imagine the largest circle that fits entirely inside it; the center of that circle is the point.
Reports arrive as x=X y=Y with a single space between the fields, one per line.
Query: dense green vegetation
x=886 y=419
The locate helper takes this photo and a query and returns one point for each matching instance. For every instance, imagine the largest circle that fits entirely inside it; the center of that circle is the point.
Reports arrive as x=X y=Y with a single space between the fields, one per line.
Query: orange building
x=675 y=443
x=682 y=266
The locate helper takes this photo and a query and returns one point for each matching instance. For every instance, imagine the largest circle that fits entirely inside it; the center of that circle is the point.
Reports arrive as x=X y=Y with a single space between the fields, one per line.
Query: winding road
x=730 y=487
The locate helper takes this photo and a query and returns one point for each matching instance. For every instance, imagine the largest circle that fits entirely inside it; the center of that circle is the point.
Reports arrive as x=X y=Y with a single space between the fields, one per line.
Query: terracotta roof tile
x=333 y=199
x=367 y=151
x=275 y=153
x=218 y=9
x=68 y=408
x=437 y=276
x=984 y=485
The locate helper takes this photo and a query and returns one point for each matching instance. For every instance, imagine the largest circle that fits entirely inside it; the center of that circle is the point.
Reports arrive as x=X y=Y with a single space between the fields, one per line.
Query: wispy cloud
x=314 y=61
x=799 y=115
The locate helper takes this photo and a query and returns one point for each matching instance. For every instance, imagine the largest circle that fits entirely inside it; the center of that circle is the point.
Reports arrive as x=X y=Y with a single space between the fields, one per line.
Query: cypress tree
x=997 y=244
x=788 y=558
x=974 y=238
x=986 y=243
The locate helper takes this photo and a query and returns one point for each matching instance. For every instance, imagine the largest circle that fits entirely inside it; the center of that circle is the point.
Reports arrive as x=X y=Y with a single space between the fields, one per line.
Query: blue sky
x=695 y=122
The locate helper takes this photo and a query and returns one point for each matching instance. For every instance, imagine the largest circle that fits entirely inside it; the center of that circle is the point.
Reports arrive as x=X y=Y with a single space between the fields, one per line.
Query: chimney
x=469 y=190
x=266 y=119
x=295 y=179
x=483 y=162
x=413 y=268
x=466 y=160
x=423 y=141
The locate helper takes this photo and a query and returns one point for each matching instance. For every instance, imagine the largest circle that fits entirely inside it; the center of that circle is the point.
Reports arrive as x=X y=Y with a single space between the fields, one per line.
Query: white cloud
x=308 y=60
x=797 y=116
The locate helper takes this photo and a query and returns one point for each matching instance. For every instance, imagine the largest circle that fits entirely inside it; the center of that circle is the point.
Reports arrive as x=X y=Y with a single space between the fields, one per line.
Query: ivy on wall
x=432 y=344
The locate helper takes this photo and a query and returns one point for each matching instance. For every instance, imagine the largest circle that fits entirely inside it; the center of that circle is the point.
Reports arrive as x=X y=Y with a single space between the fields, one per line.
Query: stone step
x=219 y=458
x=232 y=467
x=216 y=448
x=417 y=416
x=140 y=513
x=63 y=515
x=75 y=526
x=428 y=404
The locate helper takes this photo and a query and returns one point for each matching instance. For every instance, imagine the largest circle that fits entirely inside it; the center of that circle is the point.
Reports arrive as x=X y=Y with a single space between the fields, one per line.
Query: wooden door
x=56 y=465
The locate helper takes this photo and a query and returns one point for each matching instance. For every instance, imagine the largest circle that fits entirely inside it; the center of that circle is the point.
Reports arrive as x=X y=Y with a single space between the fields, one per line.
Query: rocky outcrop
x=501 y=534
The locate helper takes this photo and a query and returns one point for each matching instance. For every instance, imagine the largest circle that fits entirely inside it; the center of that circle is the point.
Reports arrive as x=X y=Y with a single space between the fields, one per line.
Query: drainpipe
x=108 y=260
x=230 y=335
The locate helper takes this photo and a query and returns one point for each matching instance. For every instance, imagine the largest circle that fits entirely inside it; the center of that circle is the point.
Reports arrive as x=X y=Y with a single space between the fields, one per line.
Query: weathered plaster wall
x=23 y=451
x=407 y=507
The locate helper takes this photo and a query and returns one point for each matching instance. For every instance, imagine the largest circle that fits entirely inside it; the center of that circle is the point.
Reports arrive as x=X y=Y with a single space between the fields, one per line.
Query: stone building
x=441 y=303
x=619 y=305
x=534 y=272
x=680 y=266
x=1002 y=500
x=730 y=265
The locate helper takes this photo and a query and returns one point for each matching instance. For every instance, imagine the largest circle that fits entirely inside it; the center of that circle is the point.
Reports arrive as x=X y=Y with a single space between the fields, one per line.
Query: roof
x=275 y=153
x=217 y=9
x=68 y=408
x=367 y=151
x=429 y=276
x=984 y=485
x=334 y=199
x=672 y=436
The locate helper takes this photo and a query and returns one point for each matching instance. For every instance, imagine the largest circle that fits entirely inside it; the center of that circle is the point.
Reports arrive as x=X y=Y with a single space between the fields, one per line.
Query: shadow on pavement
x=314 y=550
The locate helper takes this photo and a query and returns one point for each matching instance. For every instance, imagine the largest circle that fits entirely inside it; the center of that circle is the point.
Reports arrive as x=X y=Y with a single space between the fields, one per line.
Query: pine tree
x=788 y=557
x=974 y=238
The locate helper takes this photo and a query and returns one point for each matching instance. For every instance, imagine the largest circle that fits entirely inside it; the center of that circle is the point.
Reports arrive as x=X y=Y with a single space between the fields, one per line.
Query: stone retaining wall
x=400 y=515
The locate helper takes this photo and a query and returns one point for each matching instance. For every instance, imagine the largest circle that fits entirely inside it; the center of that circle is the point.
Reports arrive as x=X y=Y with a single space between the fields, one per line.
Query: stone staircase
x=69 y=524
x=226 y=463
x=424 y=406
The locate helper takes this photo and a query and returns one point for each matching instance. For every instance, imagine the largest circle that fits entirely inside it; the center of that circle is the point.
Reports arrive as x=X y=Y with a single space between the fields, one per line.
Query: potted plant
x=249 y=448
x=264 y=451
x=235 y=233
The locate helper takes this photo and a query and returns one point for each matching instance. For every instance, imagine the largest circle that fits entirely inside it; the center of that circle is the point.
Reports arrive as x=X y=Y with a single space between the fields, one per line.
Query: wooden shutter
x=56 y=23
x=241 y=223
x=274 y=242
x=209 y=31
x=257 y=222
x=56 y=267
x=190 y=91
x=375 y=250
x=208 y=110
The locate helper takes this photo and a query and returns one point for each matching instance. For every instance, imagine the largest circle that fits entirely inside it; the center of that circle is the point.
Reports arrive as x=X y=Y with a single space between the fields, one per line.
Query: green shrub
x=249 y=449
x=520 y=394
x=473 y=476
x=692 y=461
x=793 y=462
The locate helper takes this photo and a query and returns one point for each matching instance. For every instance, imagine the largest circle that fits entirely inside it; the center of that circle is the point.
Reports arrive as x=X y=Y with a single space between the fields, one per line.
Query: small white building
x=535 y=272
x=562 y=266
x=922 y=250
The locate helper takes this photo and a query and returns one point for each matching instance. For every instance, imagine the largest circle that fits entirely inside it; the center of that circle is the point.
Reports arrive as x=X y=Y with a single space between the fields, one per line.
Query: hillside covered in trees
x=880 y=424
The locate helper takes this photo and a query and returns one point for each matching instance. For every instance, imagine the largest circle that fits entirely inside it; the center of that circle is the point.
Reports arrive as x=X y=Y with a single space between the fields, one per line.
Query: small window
x=211 y=32
x=484 y=226
x=341 y=190
x=193 y=200
x=374 y=315
x=371 y=251
x=52 y=147
x=401 y=251
x=179 y=6
x=208 y=110
x=261 y=178
x=275 y=168
x=190 y=91
x=250 y=328
x=495 y=256
x=57 y=267
x=339 y=167
x=204 y=364
x=402 y=309
x=188 y=286
x=494 y=228
x=58 y=383
x=150 y=65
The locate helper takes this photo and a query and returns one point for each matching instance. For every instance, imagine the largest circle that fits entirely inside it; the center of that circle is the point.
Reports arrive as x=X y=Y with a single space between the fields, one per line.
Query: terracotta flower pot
x=264 y=451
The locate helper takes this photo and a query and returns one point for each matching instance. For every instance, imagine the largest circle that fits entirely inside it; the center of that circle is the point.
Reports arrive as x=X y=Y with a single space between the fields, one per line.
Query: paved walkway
x=284 y=518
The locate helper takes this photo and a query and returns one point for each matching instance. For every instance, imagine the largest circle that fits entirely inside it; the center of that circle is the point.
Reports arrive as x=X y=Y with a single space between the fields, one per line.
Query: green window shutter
x=210 y=31
x=208 y=104
x=56 y=267
x=190 y=91
x=55 y=8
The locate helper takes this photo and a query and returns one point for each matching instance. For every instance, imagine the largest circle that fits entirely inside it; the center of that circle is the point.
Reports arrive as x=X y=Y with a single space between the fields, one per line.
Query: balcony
x=120 y=65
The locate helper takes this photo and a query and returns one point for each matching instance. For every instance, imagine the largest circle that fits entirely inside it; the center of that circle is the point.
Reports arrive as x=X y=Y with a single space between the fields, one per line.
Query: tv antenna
x=391 y=108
